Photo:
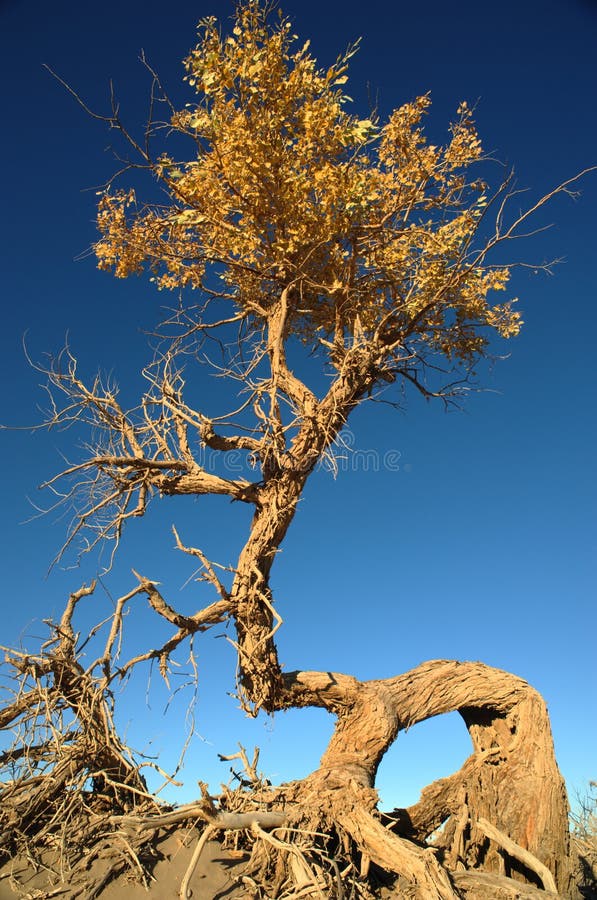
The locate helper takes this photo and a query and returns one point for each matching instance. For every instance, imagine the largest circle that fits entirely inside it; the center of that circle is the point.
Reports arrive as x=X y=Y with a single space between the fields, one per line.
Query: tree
x=291 y=228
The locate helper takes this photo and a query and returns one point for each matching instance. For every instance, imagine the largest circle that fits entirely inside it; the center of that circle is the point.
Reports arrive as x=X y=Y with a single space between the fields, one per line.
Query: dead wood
x=475 y=885
x=79 y=792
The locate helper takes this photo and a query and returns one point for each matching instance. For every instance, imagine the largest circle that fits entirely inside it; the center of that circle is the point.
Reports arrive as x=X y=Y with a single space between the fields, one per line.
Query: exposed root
x=184 y=888
x=70 y=791
x=74 y=804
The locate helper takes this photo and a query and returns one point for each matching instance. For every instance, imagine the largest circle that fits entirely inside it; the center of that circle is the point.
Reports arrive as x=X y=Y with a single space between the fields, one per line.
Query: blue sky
x=478 y=540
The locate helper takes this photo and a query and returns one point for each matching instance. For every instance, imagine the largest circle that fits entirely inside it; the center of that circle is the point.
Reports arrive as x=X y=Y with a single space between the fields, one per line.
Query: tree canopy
x=368 y=228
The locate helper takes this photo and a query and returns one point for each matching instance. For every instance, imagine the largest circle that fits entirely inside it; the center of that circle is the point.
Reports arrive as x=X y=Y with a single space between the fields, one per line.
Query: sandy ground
x=213 y=878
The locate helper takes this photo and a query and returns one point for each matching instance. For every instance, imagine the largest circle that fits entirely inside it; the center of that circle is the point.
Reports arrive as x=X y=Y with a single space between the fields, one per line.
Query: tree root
x=72 y=792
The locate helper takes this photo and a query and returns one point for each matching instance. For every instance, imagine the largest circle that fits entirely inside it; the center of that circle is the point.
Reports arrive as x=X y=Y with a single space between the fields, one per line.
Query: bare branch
x=209 y=573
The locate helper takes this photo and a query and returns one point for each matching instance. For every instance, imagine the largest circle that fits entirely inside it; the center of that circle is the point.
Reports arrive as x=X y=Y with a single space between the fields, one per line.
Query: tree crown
x=369 y=228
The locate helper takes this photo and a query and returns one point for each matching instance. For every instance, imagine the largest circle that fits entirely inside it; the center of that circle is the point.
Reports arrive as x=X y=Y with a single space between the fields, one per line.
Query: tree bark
x=260 y=672
x=509 y=794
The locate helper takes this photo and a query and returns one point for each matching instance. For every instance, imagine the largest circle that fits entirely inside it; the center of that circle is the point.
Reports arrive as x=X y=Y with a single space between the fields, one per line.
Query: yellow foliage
x=364 y=222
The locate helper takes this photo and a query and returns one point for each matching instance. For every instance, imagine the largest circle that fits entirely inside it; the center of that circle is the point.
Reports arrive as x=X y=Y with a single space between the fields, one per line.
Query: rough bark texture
x=511 y=780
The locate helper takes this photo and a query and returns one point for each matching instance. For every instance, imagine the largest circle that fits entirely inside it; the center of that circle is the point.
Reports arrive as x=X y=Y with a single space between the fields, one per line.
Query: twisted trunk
x=261 y=684
x=285 y=472
x=505 y=812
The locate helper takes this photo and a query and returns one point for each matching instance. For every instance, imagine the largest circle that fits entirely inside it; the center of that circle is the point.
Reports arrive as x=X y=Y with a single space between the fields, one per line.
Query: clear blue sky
x=479 y=541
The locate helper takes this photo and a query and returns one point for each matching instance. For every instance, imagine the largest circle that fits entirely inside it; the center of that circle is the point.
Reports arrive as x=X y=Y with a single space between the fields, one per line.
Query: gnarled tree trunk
x=504 y=812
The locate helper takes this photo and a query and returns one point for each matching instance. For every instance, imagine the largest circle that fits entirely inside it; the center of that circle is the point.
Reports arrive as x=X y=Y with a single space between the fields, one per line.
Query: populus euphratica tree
x=292 y=223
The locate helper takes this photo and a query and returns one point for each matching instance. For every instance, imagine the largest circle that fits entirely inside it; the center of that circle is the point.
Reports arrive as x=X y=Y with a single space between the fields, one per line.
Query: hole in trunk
x=430 y=750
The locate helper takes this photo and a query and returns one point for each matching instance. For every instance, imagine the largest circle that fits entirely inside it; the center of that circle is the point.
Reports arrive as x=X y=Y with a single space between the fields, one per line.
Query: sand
x=213 y=878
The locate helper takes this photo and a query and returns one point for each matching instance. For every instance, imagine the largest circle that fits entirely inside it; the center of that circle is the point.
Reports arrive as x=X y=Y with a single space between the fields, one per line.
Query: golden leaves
x=368 y=221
